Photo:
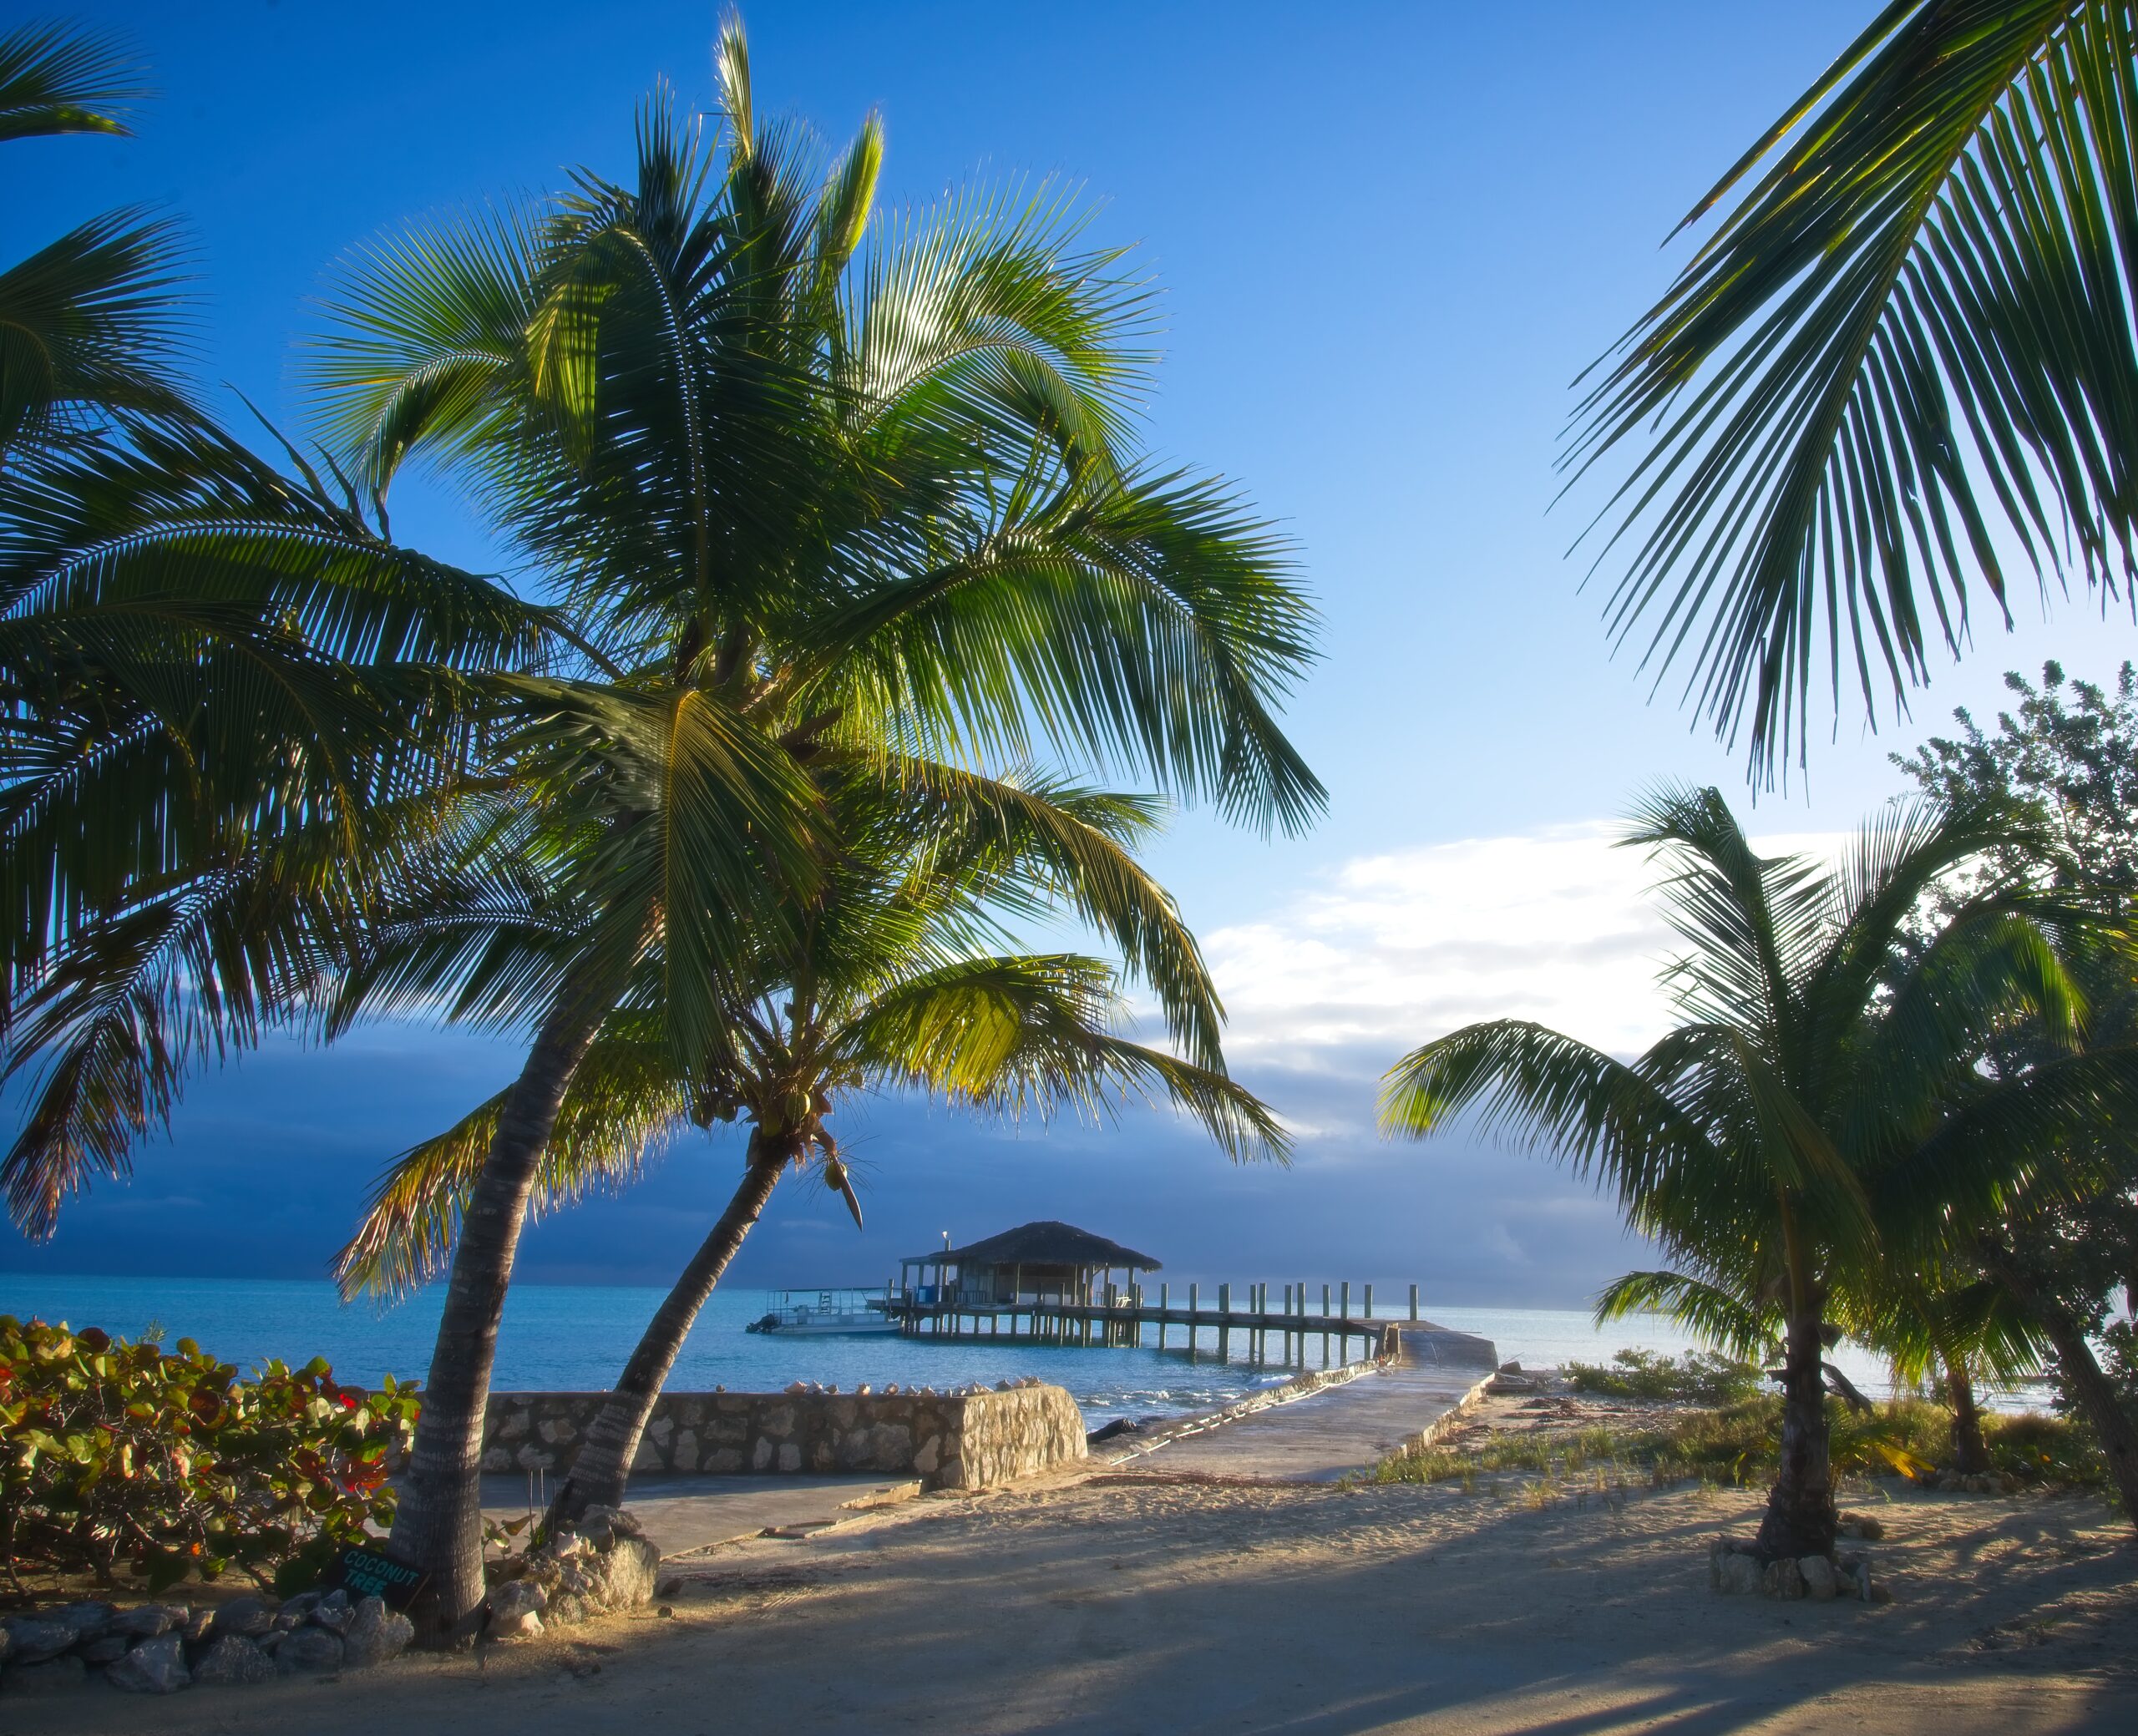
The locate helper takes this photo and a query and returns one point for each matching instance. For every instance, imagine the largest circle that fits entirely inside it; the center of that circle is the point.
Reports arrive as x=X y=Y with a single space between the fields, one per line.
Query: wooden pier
x=1286 y=1334
x=1053 y=1283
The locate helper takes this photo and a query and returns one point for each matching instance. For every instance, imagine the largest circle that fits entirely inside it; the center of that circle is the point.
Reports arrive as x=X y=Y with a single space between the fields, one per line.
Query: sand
x=1150 y=1601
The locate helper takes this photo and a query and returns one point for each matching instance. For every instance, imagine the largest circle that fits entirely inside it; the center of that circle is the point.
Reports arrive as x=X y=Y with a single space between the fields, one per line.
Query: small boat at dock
x=842 y=1313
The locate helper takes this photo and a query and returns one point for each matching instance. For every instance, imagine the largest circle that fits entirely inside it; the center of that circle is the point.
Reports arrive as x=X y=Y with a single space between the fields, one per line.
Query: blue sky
x=1388 y=238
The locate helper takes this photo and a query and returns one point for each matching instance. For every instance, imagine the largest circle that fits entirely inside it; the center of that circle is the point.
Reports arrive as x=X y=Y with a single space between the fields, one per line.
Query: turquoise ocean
x=570 y=1339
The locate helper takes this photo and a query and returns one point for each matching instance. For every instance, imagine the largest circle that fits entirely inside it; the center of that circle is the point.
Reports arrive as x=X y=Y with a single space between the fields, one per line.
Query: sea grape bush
x=124 y=1458
x=1700 y=1377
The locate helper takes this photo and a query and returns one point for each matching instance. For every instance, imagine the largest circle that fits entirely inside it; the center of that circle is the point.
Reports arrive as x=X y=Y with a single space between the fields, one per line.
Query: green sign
x=367 y=1573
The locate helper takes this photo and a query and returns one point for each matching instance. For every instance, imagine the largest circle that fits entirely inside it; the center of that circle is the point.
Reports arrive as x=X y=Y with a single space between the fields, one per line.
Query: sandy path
x=1169 y=1606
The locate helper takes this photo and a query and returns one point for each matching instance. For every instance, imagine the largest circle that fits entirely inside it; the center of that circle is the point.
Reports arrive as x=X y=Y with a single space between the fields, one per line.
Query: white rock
x=155 y=1666
x=376 y=1635
x=233 y=1660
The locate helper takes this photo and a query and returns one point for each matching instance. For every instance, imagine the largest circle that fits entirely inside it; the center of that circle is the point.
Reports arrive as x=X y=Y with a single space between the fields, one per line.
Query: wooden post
x=1165 y=1301
x=1414 y=1301
x=1368 y=1301
x=1224 y=1322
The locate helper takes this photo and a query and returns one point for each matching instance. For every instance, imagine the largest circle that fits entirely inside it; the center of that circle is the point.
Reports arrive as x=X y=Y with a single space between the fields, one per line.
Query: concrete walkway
x=1320 y=1436
x=685 y=1514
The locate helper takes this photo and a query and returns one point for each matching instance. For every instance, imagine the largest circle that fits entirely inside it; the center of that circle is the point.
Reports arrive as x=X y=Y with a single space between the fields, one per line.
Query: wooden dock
x=1282 y=1334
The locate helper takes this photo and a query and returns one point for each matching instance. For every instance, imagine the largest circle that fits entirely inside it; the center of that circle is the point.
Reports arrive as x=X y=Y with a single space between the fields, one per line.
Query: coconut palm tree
x=1816 y=1110
x=88 y=323
x=1901 y=362
x=1955 y=1329
x=806 y=501
x=227 y=701
x=882 y=987
x=225 y=694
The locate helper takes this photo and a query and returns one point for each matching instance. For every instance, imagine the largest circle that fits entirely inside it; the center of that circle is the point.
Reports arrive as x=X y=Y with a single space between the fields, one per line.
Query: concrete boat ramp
x=1314 y=1428
x=1317 y=1429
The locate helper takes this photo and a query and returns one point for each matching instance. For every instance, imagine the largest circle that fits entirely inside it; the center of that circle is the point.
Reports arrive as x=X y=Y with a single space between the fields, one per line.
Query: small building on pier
x=1035 y=1265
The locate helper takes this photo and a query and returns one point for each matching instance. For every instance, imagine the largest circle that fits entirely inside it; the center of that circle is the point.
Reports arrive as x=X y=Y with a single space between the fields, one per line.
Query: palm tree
x=1819 y=1108
x=807 y=502
x=87 y=324
x=1956 y=1327
x=882 y=987
x=1906 y=351
x=226 y=695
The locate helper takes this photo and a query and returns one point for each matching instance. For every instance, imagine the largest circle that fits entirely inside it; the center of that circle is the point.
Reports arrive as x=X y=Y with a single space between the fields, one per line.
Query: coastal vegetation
x=129 y=1461
x=855 y=591
x=1820 y=1110
x=821 y=498
x=1738 y=1445
x=884 y=986
x=1699 y=1377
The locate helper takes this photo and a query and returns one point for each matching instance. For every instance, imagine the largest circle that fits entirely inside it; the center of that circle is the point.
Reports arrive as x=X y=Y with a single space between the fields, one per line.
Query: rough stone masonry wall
x=962 y=1441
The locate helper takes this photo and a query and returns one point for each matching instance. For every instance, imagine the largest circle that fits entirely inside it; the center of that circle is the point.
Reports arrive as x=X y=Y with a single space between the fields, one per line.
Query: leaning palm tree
x=226 y=695
x=806 y=501
x=1904 y=361
x=227 y=700
x=1816 y=1110
x=881 y=988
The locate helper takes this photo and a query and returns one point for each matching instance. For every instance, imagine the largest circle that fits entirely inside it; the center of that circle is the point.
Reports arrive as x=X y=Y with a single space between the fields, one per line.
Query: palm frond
x=622 y=1104
x=1910 y=338
x=55 y=79
x=1715 y=1315
x=90 y=328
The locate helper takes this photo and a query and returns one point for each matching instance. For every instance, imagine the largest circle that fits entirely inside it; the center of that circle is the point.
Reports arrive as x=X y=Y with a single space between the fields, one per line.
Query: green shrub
x=1700 y=1377
x=119 y=1457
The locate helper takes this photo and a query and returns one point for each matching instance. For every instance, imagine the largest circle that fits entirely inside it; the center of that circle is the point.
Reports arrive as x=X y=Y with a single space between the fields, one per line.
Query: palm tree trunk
x=2090 y=1389
x=602 y=1470
x=1800 y=1517
x=437 y=1525
x=1970 y=1452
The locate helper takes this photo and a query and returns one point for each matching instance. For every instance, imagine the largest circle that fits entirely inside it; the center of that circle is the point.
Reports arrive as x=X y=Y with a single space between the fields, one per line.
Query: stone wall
x=951 y=1441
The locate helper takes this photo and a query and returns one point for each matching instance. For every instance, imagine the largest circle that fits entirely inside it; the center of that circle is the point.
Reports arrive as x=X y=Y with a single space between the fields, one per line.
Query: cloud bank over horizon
x=271 y=1160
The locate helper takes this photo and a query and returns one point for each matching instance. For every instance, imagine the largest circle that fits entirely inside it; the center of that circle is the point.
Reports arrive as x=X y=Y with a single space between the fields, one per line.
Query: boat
x=825 y=1313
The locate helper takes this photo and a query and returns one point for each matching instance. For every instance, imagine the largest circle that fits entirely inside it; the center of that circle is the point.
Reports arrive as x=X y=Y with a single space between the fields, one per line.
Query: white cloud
x=1560 y=926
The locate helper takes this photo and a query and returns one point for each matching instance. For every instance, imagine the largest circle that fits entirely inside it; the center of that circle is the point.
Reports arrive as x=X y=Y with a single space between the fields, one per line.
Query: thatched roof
x=1049 y=1243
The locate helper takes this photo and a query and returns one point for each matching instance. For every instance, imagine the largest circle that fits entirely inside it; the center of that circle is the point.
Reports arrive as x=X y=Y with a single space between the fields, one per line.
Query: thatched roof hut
x=1042 y=1262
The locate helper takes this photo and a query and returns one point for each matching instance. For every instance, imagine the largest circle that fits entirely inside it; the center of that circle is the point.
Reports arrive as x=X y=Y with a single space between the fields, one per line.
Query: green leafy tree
x=806 y=503
x=1817 y=1109
x=1900 y=363
x=890 y=982
x=2066 y=1246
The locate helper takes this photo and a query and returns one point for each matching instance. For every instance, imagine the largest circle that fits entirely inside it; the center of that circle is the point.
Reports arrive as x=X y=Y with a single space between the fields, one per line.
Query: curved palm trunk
x=1800 y=1517
x=2096 y=1396
x=437 y=1525
x=599 y=1474
x=2093 y=1391
x=1970 y=1452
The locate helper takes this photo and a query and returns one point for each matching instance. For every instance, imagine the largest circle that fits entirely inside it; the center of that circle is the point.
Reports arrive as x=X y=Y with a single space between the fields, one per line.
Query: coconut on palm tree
x=814 y=490
x=1903 y=365
x=890 y=982
x=1819 y=1108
